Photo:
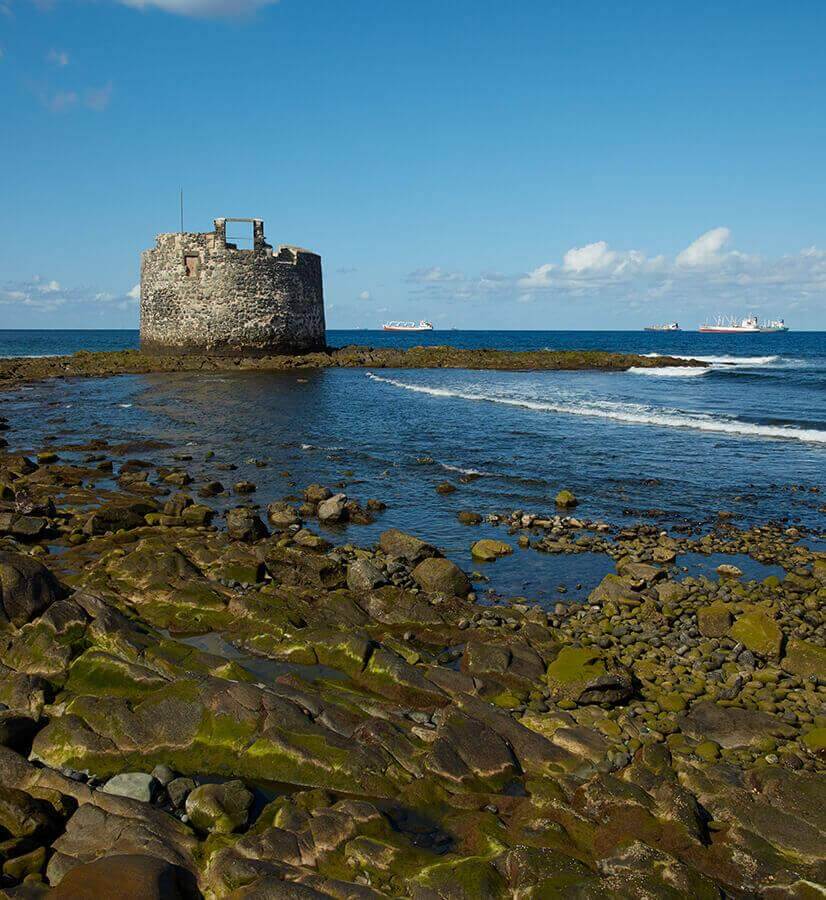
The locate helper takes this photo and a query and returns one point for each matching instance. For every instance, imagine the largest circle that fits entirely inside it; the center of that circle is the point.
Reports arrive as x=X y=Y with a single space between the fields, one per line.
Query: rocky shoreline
x=134 y=362
x=227 y=705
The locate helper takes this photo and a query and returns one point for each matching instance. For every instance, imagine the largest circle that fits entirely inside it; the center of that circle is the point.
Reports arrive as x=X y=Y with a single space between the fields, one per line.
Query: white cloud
x=59 y=58
x=540 y=277
x=591 y=257
x=134 y=293
x=364 y=295
x=433 y=275
x=202 y=8
x=47 y=295
x=705 y=251
x=706 y=276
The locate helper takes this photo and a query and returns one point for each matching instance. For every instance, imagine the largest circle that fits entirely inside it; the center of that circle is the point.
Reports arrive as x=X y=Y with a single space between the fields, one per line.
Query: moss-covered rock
x=487 y=550
x=805 y=659
x=219 y=808
x=757 y=631
x=587 y=675
x=714 y=620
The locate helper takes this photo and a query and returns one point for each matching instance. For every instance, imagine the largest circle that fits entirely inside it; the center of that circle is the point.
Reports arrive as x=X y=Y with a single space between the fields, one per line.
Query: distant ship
x=669 y=326
x=408 y=326
x=749 y=325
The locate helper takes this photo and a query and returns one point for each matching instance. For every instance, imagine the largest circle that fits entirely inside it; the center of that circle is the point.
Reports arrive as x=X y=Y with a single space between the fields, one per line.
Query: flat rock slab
x=730 y=727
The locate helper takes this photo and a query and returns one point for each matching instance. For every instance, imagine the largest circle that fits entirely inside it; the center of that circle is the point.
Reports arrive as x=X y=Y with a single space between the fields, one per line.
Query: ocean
x=671 y=446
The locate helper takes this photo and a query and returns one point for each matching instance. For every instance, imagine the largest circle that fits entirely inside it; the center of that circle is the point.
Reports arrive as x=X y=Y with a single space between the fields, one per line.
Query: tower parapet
x=202 y=294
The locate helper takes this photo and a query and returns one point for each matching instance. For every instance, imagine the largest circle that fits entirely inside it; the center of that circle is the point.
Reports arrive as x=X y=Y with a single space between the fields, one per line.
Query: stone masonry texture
x=202 y=294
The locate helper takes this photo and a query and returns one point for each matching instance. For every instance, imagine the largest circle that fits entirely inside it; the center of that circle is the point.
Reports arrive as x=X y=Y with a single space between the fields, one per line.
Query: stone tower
x=200 y=294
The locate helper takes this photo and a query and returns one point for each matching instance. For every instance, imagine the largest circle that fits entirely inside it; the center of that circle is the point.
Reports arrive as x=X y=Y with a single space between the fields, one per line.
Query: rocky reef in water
x=195 y=705
x=134 y=362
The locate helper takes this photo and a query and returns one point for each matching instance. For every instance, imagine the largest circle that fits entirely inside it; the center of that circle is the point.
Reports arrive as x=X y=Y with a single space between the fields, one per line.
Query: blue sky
x=482 y=164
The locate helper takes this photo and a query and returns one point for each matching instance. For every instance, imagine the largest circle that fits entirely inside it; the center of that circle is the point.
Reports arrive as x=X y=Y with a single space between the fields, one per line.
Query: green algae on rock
x=133 y=362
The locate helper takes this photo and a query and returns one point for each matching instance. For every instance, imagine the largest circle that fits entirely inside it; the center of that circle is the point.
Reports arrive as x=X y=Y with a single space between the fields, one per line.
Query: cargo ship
x=669 y=326
x=408 y=326
x=748 y=325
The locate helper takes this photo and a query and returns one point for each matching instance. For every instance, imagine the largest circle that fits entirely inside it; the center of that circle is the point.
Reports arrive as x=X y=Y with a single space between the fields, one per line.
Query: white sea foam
x=723 y=360
x=125 y=405
x=633 y=414
x=669 y=371
x=462 y=471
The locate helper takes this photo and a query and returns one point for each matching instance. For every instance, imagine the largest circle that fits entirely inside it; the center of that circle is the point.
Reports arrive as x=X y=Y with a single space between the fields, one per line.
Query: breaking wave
x=462 y=471
x=723 y=360
x=627 y=413
x=669 y=371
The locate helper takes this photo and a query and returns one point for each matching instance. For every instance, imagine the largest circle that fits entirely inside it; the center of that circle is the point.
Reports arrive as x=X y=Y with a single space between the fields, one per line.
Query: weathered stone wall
x=200 y=294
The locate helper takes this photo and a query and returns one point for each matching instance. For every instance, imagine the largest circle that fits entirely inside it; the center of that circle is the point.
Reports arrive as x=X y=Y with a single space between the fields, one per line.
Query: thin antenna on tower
x=182 y=210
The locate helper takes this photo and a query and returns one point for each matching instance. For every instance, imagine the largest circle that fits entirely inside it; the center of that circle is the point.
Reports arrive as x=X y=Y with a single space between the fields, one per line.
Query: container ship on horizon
x=421 y=325
x=749 y=325
x=669 y=326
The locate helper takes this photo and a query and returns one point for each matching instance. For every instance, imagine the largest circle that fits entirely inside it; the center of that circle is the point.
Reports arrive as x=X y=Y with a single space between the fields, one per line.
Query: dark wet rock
x=439 y=575
x=210 y=489
x=27 y=588
x=22 y=527
x=163 y=774
x=243 y=524
x=16 y=731
x=25 y=816
x=445 y=487
x=399 y=544
x=220 y=808
x=178 y=790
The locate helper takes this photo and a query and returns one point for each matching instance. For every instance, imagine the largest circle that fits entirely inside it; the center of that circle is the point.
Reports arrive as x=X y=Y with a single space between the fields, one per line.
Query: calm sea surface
x=747 y=435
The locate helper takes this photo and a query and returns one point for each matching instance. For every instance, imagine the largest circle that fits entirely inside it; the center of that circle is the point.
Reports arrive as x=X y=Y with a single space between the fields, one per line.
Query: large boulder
x=758 y=632
x=586 y=675
x=221 y=808
x=243 y=524
x=406 y=546
x=118 y=516
x=440 y=576
x=128 y=877
x=124 y=827
x=27 y=588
